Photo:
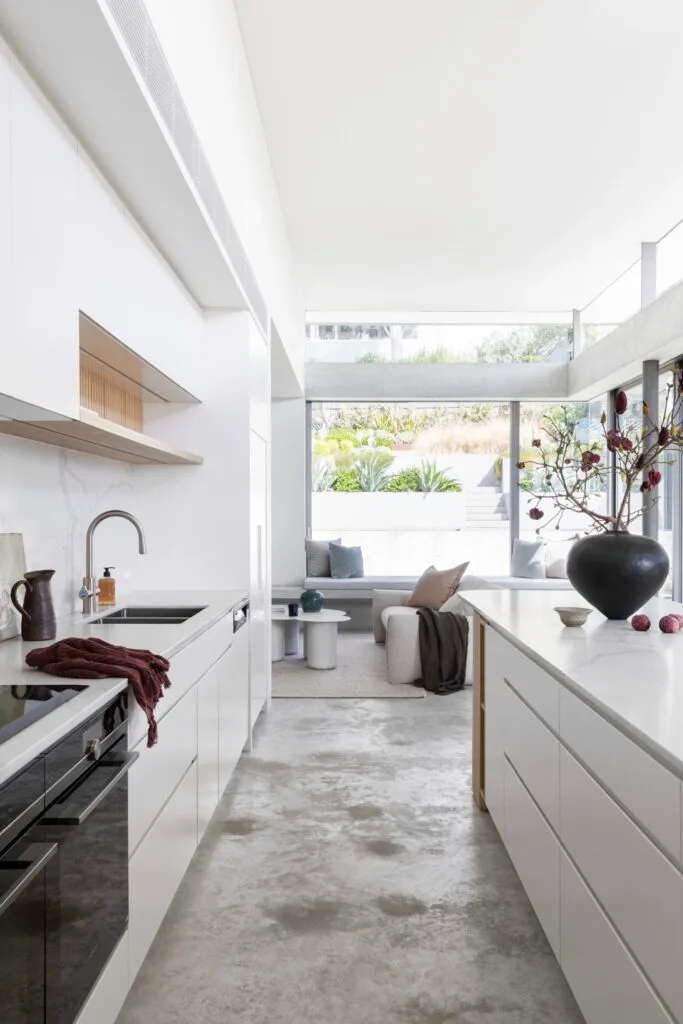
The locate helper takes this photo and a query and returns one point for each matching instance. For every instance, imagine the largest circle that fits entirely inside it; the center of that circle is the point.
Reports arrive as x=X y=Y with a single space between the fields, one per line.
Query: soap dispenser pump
x=107 y=587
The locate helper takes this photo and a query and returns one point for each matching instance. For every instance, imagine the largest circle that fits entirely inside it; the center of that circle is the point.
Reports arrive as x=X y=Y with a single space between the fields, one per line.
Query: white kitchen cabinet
x=159 y=769
x=208 y=793
x=535 y=753
x=606 y=982
x=232 y=673
x=646 y=787
x=259 y=590
x=535 y=853
x=494 y=724
x=157 y=868
x=637 y=886
x=41 y=363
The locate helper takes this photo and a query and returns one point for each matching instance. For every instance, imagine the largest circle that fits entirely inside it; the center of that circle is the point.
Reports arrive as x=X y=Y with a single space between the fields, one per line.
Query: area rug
x=361 y=672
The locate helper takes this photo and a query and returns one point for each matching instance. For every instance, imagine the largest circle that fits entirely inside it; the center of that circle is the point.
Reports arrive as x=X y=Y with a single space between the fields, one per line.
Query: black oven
x=64 y=871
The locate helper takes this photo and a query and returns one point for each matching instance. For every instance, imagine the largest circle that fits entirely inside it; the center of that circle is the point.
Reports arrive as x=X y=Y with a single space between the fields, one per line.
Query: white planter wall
x=338 y=512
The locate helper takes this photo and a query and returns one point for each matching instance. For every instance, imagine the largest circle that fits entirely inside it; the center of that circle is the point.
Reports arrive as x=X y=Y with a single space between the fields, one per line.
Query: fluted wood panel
x=104 y=392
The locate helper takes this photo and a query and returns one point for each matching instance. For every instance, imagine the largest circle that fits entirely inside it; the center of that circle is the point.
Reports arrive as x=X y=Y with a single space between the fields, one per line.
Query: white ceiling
x=469 y=154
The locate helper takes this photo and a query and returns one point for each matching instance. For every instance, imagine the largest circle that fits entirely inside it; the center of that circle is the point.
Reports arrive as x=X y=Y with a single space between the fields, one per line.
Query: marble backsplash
x=50 y=495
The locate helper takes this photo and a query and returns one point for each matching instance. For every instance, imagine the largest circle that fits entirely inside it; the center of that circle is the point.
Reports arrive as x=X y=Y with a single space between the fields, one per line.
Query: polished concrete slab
x=347 y=878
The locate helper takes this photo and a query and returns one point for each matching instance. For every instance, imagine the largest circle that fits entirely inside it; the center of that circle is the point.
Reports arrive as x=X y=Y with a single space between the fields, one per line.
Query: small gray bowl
x=573 y=616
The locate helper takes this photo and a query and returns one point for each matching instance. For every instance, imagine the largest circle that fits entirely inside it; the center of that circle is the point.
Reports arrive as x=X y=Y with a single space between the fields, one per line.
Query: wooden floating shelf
x=96 y=436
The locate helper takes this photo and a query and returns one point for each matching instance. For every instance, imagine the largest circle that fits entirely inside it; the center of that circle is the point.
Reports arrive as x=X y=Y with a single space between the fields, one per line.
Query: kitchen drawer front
x=207 y=748
x=233 y=702
x=606 y=982
x=537 y=688
x=158 y=865
x=649 y=792
x=535 y=753
x=187 y=666
x=495 y=723
x=535 y=853
x=639 y=889
x=159 y=769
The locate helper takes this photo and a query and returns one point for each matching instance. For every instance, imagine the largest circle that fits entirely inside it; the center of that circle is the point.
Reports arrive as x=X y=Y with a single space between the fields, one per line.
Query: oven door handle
x=71 y=813
x=34 y=859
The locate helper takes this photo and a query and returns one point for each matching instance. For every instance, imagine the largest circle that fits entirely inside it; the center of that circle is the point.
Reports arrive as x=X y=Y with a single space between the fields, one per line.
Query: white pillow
x=528 y=559
x=556 y=559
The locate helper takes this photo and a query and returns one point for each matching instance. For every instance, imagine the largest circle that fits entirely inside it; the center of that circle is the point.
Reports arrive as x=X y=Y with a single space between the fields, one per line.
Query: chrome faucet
x=88 y=591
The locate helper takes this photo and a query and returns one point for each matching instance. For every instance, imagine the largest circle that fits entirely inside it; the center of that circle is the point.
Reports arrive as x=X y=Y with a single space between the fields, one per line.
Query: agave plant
x=323 y=476
x=431 y=478
x=373 y=472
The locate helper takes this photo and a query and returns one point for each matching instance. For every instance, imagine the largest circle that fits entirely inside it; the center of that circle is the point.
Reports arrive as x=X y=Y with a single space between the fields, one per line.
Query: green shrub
x=341 y=434
x=371 y=357
x=406 y=480
x=347 y=480
x=325 y=446
x=373 y=471
x=324 y=476
x=431 y=478
x=346 y=446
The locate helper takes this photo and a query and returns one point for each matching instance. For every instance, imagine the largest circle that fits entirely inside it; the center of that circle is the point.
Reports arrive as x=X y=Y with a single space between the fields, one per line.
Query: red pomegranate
x=669 y=624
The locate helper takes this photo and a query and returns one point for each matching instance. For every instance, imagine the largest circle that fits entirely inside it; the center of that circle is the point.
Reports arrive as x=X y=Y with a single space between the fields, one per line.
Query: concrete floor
x=347 y=878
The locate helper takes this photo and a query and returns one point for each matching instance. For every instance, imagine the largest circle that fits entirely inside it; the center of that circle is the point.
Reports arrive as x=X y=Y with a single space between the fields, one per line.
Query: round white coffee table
x=320 y=636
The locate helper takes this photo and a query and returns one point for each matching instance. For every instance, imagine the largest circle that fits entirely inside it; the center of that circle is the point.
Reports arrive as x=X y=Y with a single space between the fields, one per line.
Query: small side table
x=285 y=630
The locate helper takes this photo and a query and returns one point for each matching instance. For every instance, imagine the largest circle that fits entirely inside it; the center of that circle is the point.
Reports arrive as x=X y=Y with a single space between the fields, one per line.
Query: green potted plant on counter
x=614 y=570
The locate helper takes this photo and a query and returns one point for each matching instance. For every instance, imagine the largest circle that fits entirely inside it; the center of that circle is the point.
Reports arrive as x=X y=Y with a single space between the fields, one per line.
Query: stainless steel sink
x=149 y=616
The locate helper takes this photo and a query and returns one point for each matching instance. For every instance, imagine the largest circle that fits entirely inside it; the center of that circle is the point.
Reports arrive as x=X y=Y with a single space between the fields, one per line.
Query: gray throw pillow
x=528 y=559
x=345 y=563
x=318 y=557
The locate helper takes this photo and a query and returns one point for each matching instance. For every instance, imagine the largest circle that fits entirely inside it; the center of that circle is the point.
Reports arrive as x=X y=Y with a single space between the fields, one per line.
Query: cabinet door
x=259 y=596
x=233 y=689
x=494 y=731
x=158 y=865
x=535 y=852
x=605 y=980
x=44 y=299
x=207 y=747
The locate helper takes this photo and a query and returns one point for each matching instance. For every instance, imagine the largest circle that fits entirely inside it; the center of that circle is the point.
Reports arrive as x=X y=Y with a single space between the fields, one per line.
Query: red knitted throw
x=80 y=658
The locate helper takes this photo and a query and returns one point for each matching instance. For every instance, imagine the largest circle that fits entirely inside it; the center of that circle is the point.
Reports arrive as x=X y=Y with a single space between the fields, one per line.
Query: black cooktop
x=20 y=706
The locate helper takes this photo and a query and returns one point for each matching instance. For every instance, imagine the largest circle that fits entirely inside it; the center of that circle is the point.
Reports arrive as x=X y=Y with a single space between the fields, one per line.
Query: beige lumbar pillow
x=435 y=586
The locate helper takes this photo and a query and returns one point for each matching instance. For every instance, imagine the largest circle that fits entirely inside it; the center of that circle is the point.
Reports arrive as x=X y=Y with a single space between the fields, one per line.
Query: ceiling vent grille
x=133 y=21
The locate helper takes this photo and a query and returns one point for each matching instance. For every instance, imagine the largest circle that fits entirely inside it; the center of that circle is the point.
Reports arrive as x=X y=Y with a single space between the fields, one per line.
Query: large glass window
x=413 y=485
x=439 y=343
x=611 y=307
x=537 y=487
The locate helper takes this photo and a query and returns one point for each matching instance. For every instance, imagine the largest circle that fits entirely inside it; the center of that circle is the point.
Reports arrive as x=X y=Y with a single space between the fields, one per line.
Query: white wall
x=203 y=44
x=288 y=490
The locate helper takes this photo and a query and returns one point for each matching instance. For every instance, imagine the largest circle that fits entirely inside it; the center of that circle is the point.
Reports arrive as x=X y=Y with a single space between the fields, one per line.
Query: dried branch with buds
x=572 y=470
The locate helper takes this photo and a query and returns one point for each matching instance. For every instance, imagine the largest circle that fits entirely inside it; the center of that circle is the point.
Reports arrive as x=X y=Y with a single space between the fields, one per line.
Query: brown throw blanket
x=443 y=650
x=82 y=658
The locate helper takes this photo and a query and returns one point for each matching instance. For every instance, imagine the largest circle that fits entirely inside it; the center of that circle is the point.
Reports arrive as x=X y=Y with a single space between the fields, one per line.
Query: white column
x=648 y=273
x=514 y=473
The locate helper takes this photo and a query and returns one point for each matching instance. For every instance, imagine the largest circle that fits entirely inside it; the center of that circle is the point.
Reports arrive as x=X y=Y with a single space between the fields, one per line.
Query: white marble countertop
x=165 y=640
x=633 y=679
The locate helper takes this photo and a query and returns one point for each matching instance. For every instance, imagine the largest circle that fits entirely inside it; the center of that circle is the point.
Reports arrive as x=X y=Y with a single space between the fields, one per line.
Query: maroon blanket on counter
x=82 y=658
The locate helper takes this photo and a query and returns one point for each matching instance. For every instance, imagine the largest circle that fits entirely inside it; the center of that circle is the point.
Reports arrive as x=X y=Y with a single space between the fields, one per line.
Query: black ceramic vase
x=617 y=572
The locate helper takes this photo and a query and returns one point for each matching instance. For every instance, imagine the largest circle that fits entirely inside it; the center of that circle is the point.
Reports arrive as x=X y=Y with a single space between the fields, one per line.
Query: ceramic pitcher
x=38 y=620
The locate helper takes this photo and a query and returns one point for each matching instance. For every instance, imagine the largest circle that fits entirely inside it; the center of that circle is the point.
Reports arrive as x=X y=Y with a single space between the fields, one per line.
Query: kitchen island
x=578 y=757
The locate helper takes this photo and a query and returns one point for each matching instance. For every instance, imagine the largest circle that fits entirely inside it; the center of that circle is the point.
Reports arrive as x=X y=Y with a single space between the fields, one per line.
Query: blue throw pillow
x=345 y=563
x=528 y=559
